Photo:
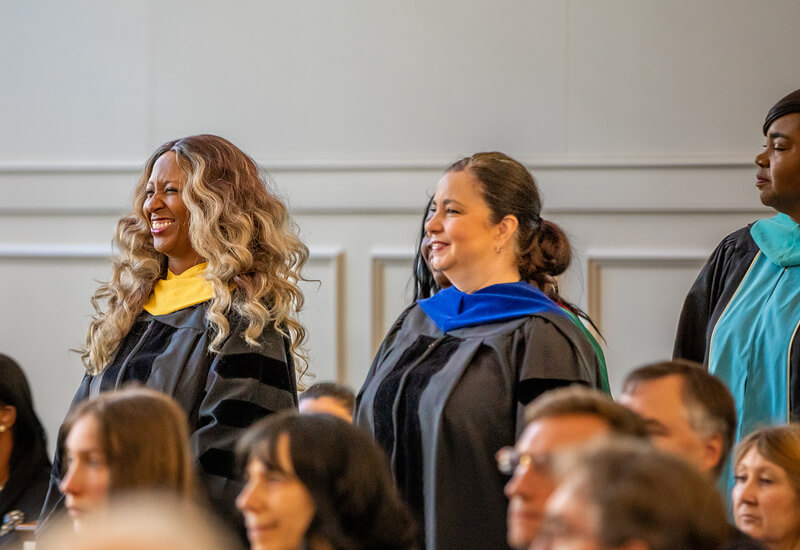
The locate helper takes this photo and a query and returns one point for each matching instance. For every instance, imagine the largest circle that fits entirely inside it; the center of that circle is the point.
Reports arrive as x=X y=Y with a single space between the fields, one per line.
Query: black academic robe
x=479 y=380
x=222 y=394
x=715 y=286
x=24 y=491
x=26 y=488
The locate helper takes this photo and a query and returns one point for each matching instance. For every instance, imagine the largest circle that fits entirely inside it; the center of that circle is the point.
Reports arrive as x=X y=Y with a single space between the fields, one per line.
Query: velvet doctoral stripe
x=408 y=379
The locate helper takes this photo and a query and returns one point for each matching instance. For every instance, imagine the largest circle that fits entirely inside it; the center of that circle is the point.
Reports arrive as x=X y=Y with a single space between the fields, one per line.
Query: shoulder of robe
x=738 y=241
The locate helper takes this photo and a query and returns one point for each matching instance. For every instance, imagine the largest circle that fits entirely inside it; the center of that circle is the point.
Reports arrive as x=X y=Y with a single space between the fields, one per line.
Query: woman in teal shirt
x=741 y=316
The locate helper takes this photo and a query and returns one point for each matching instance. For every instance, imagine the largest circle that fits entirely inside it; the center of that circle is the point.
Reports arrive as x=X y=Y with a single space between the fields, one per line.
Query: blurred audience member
x=143 y=522
x=24 y=465
x=766 y=494
x=623 y=494
x=690 y=412
x=328 y=398
x=316 y=482
x=129 y=440
x=555 y=421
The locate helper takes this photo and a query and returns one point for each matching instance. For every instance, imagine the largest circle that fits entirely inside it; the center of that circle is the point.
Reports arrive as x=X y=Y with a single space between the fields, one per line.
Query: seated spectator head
x=145 y=521
x=23 y=446
x=766 y=493
x=689 y=412
x=316 y=481
x=555 y=421
x=624 y=494
x=328 y=398
x=134 y=439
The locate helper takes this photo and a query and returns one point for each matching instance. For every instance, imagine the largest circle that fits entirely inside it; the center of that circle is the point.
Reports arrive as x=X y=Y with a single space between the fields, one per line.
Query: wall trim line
x=399 y=165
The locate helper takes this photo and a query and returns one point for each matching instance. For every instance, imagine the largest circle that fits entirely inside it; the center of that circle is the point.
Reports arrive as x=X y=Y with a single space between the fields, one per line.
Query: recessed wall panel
x=46 y=311
x=636 y=303
x=322 y=318
x=392 y=290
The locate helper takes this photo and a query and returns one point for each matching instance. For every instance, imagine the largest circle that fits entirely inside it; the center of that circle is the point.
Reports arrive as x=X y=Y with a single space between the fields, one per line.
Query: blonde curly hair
x=245 y=235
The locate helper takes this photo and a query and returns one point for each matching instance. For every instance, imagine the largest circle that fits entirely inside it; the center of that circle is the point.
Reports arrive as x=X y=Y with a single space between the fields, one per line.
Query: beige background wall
x=640 y=119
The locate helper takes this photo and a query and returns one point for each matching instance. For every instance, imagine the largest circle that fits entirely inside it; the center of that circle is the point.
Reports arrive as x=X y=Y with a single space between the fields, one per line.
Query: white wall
x=640 y=119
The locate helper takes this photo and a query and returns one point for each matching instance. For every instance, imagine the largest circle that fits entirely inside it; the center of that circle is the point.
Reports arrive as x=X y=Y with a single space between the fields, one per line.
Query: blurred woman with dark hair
x=450 y=382
x=24 y=465
x=316 y=482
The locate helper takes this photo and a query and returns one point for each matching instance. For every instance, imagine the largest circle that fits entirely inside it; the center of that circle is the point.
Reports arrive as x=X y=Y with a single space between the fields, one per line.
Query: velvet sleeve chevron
x=551 y=352
x=244 y=384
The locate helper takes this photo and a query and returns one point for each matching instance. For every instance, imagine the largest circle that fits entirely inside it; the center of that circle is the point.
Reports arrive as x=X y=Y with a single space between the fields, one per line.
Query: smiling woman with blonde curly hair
x=202 y=302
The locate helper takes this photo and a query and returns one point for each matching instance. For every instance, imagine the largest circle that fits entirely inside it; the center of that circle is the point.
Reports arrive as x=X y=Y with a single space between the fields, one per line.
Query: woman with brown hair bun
x=450 y=382
x=428 y=282
x=122 y=441
x=202 y=302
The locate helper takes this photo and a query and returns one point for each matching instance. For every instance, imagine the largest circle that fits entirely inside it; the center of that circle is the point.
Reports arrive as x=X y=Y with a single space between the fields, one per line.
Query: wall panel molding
x=569 y=185
x=380 y=259
x=599 y=259
x=58 y=250
x=572 y=161
x=52 y=251
x=332 y=258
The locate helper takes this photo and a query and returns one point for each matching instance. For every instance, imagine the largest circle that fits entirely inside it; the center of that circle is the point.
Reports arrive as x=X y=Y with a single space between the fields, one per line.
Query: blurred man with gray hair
x=557 y=420
x=689 y=412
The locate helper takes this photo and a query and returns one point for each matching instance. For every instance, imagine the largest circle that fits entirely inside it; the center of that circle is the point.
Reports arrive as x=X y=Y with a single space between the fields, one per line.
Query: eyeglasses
x=509 y=459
